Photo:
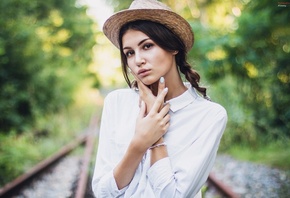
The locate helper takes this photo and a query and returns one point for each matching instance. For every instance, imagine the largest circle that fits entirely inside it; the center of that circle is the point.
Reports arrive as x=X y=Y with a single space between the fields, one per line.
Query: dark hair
x=161 y=35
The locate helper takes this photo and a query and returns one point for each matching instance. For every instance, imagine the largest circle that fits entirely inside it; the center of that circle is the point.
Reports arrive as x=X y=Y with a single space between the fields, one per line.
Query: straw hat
x=151 y=10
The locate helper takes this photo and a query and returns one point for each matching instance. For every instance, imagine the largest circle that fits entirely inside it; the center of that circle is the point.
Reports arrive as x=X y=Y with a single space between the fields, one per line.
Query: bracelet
x=157 y=145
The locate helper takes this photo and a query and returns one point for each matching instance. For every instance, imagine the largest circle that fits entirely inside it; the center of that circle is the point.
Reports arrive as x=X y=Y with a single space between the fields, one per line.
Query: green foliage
x=119 y=5
x=275 y=153
x=258 y=57
x=19 y=152
x=242 y=51
x=45 y=47
x=248 y=65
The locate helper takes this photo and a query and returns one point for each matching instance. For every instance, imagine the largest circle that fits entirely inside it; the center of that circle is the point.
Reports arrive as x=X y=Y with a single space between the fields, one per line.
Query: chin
x=149 y=82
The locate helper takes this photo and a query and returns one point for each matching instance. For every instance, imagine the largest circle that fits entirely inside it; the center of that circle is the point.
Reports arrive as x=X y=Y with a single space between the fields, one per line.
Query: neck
x=174 y=89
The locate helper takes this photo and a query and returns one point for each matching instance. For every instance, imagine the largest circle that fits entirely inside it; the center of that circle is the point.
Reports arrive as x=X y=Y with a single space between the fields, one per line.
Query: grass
x=19 y=152
x=274 y=154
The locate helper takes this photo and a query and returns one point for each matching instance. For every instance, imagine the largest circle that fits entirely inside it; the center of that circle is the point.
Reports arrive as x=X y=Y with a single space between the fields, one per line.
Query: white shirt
x=196 y=127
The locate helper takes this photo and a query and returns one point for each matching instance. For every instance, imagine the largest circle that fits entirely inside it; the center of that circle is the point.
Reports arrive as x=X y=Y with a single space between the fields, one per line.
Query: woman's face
x=145 y=58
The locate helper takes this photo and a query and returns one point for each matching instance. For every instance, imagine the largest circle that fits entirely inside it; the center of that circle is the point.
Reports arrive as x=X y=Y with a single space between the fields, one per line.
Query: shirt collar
x=184 y=99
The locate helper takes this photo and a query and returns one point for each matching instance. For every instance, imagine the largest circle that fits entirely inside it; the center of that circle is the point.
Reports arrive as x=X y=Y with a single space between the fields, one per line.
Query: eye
x=147 y=46
x=129 y=53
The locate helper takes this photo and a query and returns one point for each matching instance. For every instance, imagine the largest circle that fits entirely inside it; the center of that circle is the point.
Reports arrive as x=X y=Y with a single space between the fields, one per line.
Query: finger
x=166 y=127
x=166 y=119
x=135 y=76
x=159 y=100
x=144 y=92
x=142 y=110
x=140 y=101
x=161 y=85
x=141 y=85
x=137 y=79
x=143 y=89
x=164 y=111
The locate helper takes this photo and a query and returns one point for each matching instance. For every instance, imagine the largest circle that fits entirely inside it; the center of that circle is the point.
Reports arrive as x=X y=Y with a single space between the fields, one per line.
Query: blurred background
x=56 y=66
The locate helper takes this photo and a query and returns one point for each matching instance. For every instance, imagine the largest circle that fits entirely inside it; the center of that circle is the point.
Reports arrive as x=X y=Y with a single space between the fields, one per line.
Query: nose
x=139 y=60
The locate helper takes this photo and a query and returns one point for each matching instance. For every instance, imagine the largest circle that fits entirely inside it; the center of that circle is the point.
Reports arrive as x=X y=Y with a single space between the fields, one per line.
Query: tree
x=45 y=47
x=242 y=48
x=257 y=54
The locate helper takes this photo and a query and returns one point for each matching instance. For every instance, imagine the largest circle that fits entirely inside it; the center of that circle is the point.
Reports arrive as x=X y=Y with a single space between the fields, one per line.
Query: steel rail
x=224 y=189
x=88 y=138
x=14 y=186
x=93 y=131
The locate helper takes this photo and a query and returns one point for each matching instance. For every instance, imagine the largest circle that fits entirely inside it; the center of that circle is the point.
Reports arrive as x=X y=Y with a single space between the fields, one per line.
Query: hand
x=152 y=126
x=146 y=93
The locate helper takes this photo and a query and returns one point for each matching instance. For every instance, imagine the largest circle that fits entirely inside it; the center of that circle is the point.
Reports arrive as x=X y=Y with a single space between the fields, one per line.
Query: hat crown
x=148 y=4
x=150 y=10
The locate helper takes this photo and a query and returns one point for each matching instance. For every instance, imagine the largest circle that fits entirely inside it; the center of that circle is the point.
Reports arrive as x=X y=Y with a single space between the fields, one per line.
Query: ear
x=175 y=52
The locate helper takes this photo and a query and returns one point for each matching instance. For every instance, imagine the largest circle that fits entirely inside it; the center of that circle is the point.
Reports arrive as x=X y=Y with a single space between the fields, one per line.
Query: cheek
x=132 y=69
x=162 y=58
x=130 y=63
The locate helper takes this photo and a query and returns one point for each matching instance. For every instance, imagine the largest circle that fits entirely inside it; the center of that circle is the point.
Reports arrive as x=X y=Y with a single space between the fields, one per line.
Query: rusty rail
x=90 y=142
x=14 y=186
x=88 y=138
x=226 y=190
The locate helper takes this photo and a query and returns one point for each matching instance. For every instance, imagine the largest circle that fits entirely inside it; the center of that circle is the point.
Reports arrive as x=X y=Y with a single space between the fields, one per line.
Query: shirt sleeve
x=103 y=183
x=194 y=164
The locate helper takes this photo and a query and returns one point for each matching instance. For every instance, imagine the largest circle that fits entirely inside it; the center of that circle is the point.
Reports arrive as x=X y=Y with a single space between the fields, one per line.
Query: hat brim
x=169 y=19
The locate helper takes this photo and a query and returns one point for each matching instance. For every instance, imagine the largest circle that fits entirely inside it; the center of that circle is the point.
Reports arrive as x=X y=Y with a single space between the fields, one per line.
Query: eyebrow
x=140 y=43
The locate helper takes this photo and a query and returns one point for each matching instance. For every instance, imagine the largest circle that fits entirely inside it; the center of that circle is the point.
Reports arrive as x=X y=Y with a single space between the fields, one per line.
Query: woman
x=159 y=138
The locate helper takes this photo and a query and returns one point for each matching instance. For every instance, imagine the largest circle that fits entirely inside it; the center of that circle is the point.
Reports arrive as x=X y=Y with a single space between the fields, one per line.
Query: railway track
x=62 y=162
x=55 y=168
x=220 y=189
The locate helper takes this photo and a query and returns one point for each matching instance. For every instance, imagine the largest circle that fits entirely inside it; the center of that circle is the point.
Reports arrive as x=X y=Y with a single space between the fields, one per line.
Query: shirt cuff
x=160 y=173
x=112 y=186
x=115 y=187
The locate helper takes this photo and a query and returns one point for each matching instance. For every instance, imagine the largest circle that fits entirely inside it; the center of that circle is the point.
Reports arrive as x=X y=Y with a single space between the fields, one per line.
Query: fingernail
x=162 y=80
x=165 y=89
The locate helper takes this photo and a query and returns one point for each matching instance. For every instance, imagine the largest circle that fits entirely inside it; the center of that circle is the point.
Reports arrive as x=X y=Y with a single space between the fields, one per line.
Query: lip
x=143 y=72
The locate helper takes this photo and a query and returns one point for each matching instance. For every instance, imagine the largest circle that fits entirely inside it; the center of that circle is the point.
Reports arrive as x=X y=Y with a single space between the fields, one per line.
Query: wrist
x=138 y=146
x=161 y=140
x=157 y=145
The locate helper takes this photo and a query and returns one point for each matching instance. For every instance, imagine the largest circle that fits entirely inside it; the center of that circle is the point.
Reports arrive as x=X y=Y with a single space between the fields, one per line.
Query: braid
x=193 y=77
